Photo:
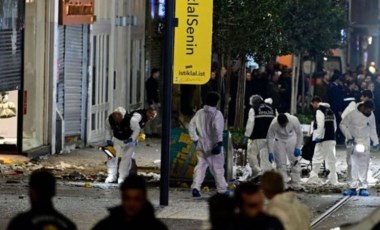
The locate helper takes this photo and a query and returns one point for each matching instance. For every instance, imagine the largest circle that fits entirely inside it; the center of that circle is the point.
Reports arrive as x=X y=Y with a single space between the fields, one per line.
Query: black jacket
x=116 y=220
x=152 y=89
x=39 y=218
x=123 y=130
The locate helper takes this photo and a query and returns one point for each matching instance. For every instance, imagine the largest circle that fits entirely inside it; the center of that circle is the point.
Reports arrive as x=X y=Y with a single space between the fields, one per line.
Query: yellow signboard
x=192 y=44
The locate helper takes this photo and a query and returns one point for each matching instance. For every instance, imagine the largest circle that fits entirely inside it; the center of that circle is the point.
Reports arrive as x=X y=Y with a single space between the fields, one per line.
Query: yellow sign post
x=192 y=42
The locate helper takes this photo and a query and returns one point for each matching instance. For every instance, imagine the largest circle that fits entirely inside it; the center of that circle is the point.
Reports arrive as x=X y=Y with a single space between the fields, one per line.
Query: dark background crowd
x=275 y=81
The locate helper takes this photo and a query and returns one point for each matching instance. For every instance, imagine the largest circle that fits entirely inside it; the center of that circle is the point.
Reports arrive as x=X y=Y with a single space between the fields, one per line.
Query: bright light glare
x=370 y=40
x=360 y=148
x=337 y=228
x=372 y=69
x=325 y=58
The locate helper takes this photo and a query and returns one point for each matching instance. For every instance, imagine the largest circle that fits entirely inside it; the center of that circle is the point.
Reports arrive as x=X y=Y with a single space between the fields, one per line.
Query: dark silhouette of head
x=222 y=211
x=133 y=195
x=212 y=99
x=366 y=95
x=155 y=73
x=315 y=102
x=41 y=186
x=367 y=107
x=282 y=120
x=249 y=200
x=272 y=184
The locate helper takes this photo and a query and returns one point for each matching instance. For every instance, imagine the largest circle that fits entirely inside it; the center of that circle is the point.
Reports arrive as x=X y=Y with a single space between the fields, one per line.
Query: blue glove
x=350 y=141
x=130 y=141
x=297 y=152
x=317 y=140
x=217 y=149
x=195 y=143
x=109 y=143
x=271 y=157
x=246 y=140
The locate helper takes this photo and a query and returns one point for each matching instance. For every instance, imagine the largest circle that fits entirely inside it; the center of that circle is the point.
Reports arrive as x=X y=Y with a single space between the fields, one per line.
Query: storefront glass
x=8 y=120
x=11 y=25
x=34 y=74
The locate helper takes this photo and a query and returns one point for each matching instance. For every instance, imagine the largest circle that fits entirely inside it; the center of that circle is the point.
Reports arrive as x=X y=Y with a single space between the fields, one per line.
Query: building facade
x=364 y=43
x=61 y=77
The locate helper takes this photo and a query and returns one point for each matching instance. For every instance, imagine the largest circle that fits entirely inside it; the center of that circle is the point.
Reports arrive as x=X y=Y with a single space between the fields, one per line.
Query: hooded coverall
x=207 y=127
x=362 y=129
x=123 y=149
x=325 y=148
x=282 y=142
x=351 y=107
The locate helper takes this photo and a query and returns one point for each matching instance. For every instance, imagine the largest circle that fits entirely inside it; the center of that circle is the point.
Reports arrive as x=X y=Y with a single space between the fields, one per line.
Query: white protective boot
x=112 y=170
x=333 y=176
x=126 y=162
x=314 y=178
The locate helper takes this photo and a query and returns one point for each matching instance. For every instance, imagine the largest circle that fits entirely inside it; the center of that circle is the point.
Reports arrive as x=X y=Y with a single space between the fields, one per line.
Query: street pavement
x=86 y=206
x=87 y=202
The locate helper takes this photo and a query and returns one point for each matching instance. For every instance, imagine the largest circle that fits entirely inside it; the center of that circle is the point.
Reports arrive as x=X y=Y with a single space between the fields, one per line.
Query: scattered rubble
x=150 y=176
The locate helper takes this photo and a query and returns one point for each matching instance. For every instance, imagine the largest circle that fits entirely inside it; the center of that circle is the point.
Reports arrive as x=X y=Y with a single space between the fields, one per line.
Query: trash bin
x=183 y=157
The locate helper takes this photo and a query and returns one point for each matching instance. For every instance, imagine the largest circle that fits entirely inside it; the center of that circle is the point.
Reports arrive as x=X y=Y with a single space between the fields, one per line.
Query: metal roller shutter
x=10 y=45
x=73 y=78
x=70 y=87
x=61 y=69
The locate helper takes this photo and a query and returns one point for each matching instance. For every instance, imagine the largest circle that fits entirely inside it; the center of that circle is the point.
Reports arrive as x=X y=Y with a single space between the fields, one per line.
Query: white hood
x=327 y=105
x=209 y=109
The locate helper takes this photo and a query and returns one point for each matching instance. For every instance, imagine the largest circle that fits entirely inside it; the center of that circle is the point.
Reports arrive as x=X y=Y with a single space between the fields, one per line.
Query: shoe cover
x=350 y=192
x=196 y=193
x=363 y=192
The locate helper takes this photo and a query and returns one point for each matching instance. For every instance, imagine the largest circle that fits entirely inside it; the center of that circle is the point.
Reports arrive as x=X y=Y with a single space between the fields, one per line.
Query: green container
x=183 y=157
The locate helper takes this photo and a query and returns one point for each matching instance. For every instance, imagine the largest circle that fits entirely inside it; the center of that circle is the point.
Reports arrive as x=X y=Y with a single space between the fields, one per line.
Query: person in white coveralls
x=206 y=131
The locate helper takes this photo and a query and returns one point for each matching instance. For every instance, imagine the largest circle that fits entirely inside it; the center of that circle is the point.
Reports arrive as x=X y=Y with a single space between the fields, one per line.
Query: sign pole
x=167 y=101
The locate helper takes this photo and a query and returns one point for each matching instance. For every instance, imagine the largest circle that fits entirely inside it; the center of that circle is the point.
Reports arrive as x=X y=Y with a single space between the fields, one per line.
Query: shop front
x=11 y=75
x=23 y=79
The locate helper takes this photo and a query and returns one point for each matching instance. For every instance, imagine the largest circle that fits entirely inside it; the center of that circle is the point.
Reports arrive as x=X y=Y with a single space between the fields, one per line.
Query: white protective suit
x=282 y=142
x=123 y=151
x=207 y=127
x=257 y=149
x=363 y=129
x=324 y=151
x=290 y=211
x=351 y=107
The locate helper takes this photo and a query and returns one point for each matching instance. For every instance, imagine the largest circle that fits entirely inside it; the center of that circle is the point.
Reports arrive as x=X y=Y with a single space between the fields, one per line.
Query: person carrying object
x=123 y=130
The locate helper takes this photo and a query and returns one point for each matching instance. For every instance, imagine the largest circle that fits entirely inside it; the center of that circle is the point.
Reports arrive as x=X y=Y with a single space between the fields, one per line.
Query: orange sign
x=76 y=12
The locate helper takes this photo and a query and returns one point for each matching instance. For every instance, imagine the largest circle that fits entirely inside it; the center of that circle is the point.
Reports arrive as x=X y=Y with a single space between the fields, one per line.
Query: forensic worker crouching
x=123 y=130
x=284 y=142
